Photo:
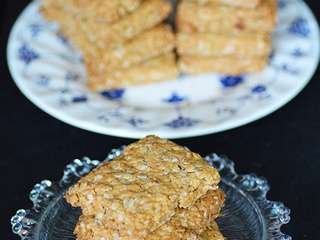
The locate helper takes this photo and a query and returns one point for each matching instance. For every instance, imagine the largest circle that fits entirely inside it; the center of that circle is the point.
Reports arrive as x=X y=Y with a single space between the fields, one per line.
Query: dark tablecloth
x=283 y=147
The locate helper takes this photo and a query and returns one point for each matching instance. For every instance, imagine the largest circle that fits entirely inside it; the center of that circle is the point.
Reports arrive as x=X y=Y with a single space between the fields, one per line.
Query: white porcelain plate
x=50 y=72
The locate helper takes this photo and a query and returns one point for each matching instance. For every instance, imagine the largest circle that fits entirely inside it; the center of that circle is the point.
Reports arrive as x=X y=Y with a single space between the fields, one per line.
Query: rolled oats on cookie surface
x=144 y=188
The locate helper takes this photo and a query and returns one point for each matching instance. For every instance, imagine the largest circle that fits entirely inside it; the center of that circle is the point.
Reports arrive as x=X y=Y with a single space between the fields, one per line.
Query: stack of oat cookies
x=156 y=190
x=124 y=42
x=225 y=36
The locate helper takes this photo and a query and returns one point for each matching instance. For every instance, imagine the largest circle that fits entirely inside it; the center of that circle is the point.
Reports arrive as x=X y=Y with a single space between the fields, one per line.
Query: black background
x=284 y=147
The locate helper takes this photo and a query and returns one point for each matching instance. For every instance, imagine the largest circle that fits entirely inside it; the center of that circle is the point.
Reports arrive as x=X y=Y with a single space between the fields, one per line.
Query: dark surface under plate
x=283 y=147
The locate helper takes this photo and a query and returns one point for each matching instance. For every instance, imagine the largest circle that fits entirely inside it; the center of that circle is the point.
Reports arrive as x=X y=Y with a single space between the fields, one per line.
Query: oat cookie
x=210 y=44
x=153 y=43
x=230 y=65
x=233 y=3
x=141 y=190
x=104 y=35
x=185 y=224
x=100 y=10
x=217 y=18
x=153 y=70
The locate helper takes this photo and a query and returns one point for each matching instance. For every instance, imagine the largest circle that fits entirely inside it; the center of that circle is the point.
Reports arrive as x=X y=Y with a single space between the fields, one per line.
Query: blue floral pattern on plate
x=50 y=71
x=182 y=122
x=300 y=27
x=175 y=98
x=116 y=94
x=231 y=81
x=27 y=54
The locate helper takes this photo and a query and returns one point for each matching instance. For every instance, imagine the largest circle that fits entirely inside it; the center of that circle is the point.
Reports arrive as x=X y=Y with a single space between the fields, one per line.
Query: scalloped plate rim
x=228 y=172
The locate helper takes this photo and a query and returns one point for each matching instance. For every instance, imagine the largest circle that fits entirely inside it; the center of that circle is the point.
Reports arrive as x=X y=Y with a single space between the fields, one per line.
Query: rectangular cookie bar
x=149 y=44
x=172 y=232
x=154 y=70
x=231 y=65
x=105 y=36
x=100 y=10
x=200 y=215
x=149 y=14
x=71 y=29
x=101 y=64
x=140 y=190
x=184 y=224
x=88 y=229
x=233 y=3
x=217 y=18
x=212 y=44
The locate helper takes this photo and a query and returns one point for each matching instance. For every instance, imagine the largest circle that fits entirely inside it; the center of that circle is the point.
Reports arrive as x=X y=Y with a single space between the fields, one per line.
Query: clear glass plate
x=247 y=214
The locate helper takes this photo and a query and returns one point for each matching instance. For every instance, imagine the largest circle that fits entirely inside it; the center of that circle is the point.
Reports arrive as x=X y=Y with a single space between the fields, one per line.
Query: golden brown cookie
x=233 y=3
x=212 y=233
x=231 y=65
x=150 y=44
x=211 y=44
x=100 y=10
x=88 y=229
x=185 y=224
x=149 y=14
x=153 y=70
x=201 y=214
x=71 y=28
x=105 y=36
x=217 y=18
x=140 y=190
